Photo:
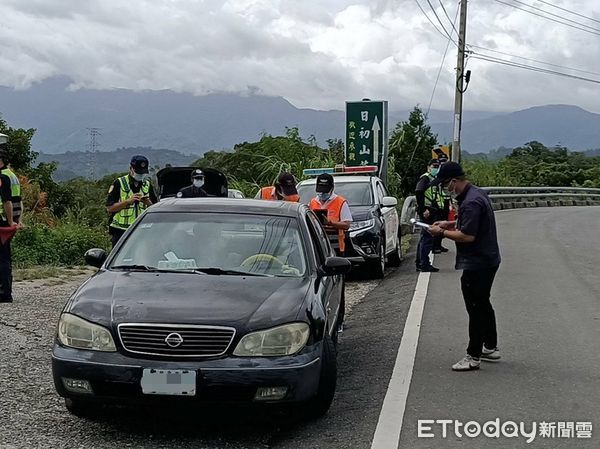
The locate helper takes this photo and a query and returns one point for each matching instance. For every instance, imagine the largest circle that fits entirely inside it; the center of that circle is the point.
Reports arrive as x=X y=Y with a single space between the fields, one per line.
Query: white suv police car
x=374 y=235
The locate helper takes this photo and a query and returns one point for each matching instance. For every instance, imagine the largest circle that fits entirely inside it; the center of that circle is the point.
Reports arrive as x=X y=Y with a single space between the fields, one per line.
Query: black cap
x=433 y=161
x=197 y=173
x=287 y=184
x=324 y=183
x=139 y=164
x=448 y=171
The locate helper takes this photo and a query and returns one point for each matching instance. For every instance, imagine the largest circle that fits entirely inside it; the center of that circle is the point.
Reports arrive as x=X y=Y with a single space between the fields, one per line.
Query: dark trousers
x=437 y=242
x=115 y=235
x=476 y=286
x=424 y=248
x=5 y=273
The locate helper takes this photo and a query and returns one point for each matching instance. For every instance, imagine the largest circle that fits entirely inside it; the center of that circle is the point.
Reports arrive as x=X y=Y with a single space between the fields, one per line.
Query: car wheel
x=377 y=267
x=395 y=258
x=80 y=408
x=318 y=405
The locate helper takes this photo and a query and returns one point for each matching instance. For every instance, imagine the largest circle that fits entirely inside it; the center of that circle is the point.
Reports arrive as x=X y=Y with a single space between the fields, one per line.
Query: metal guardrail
x=518 y=197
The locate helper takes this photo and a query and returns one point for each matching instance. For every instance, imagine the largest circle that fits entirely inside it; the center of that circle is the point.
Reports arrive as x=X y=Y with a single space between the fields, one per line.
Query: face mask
x=198 y=183
x=139 y=177
x=452 y=193
x=323 y=197
x=435 y=171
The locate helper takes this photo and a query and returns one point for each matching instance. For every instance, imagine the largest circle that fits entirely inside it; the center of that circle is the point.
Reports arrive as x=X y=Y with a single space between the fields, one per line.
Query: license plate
x=169 y=382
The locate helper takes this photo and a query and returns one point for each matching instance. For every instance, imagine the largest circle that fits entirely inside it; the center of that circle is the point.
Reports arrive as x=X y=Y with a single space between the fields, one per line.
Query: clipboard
x=321 y=215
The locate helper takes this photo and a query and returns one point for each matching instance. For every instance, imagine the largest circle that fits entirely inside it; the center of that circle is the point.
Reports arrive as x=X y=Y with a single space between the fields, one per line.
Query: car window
x=356 y=193
x=323 y=247
x=186 y=241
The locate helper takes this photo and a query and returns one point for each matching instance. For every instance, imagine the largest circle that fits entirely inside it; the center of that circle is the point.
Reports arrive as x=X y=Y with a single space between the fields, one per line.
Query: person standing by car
x=438 y=248
x=430 y=206
x=6 y=221
x=128 y=197
x=196 y=190
x=478 y=255
x=284 y=190
x=333 y=211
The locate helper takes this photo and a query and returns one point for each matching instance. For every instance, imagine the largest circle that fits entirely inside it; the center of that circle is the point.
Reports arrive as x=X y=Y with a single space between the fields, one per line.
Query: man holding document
x=478 y=255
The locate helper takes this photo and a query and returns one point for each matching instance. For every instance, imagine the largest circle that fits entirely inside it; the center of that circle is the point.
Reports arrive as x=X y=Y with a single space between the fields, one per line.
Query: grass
x=405 y=243
x=56 y=273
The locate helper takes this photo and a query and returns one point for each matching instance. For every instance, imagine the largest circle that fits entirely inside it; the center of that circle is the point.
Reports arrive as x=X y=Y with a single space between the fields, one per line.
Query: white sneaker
x=490 y=354
x=467 y=364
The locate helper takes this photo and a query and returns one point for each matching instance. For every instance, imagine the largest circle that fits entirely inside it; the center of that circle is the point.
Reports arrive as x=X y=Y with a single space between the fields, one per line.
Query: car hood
x=361 y=213
x=246 y=303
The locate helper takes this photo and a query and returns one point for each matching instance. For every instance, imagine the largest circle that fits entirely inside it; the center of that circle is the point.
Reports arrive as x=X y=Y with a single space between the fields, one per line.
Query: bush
x=63 y=244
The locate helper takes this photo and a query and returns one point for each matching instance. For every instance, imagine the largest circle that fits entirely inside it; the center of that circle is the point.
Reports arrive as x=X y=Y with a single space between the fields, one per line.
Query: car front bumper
x=116 y=378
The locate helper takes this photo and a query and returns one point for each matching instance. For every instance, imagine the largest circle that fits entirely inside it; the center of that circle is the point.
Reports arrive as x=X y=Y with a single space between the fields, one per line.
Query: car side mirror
x=336 y=265
x=95 y=257
x=389 y=201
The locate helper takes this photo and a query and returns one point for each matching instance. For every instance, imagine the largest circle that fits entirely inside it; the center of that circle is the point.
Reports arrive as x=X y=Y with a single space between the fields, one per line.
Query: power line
x=532 y=60
x=569 y=11
x=448 y=17
x=438 y=19
x=555 y=15
x=445 y=36
x=532 y=68
x=546 y=17
x=442 y=63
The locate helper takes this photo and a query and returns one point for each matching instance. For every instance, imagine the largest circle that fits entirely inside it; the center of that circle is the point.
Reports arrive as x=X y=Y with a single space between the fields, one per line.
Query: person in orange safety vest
x=333 y=211
x=283 y=190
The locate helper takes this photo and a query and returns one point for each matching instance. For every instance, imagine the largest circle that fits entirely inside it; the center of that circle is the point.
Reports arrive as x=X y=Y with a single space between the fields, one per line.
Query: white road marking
x=389 y=426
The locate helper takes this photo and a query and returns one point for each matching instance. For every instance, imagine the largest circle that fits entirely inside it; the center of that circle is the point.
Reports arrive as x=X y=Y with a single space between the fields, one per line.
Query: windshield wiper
x=222 y=271
x=134 y=267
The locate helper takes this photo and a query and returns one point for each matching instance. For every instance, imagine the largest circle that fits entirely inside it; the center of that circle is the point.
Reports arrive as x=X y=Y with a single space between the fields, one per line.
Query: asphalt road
x=547 y=301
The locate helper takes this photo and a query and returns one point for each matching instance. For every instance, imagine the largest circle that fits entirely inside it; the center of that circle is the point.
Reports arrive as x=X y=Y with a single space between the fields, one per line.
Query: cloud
x=315 y=53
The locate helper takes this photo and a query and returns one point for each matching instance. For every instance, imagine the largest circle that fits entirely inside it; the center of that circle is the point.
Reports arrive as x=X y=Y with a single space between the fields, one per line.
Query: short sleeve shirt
x=114 y=193
x=345 y=213
x=476 y=218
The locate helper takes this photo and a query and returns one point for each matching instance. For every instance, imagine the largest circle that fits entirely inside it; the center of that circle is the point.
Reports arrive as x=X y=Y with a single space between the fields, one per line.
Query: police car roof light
x=317 y=171
x=362 y=169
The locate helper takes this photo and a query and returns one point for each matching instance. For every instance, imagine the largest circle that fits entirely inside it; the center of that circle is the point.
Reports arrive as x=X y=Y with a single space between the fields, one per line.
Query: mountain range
x=194 y=124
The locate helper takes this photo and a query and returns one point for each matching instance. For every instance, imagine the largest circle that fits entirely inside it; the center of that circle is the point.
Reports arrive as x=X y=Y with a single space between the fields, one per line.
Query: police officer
x=438 y=248
x=196 y=190
x=6 y=220
x=128 y=197
x=430 y=205
x=15 y=188
x=284 y=190
x=333 y=211
x=478 y=255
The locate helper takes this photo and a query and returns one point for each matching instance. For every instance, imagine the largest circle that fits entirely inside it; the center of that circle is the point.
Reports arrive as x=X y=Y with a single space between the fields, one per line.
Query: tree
x=20 y=154
x=410 y=145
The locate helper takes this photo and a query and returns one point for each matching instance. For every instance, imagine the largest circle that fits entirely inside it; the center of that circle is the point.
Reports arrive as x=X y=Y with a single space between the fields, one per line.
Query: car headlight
x=356 y=225
x=278 y=341
x=78 y=333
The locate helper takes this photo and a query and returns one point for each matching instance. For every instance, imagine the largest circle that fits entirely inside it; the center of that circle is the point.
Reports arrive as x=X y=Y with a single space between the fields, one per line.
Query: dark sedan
x=203 y=301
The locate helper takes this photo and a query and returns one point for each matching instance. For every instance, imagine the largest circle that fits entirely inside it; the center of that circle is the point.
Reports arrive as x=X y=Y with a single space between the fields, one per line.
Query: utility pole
x=460 y=78
x=93 y=145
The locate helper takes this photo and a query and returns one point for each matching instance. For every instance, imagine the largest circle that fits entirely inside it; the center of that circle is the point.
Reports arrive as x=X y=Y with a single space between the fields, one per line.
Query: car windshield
x=206 y=243
x=356 y=193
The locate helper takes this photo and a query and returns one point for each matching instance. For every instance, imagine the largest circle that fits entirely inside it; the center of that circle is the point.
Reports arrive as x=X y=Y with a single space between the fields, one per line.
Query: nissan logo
x=174 y=340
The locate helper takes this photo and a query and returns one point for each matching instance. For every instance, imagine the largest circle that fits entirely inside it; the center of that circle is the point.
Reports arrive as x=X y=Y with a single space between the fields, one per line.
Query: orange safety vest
x=268 y=193
x=334 y=213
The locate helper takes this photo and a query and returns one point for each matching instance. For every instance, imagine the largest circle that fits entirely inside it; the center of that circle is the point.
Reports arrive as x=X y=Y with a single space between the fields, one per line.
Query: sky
x=315 y=53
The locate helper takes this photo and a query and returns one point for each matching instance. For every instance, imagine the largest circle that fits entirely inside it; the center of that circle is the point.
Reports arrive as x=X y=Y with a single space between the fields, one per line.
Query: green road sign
x=366 y=133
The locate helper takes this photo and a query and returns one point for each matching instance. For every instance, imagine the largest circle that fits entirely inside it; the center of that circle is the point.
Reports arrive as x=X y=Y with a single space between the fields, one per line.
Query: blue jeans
x=423 y=249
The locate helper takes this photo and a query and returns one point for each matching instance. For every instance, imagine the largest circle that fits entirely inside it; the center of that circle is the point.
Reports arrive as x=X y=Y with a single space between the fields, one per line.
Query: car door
x=390 y=218
x=330 y=288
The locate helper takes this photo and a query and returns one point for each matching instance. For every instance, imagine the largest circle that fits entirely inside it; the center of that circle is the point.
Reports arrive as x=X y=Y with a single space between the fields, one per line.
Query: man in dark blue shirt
x=478 y=255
